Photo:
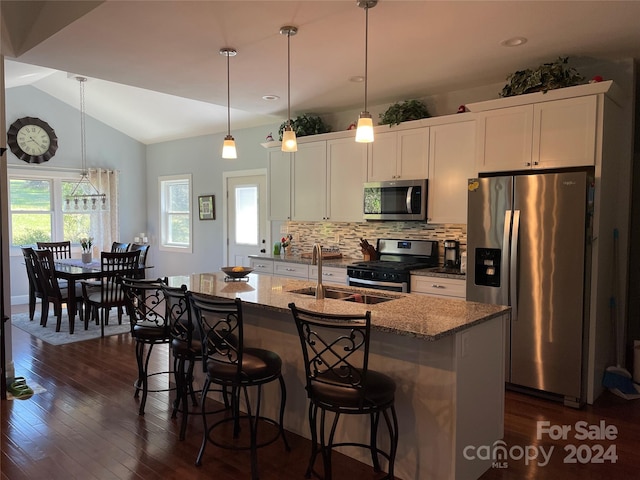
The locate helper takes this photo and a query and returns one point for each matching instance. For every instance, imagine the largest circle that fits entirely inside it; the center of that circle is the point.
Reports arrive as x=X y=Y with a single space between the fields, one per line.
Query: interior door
x=247 y=227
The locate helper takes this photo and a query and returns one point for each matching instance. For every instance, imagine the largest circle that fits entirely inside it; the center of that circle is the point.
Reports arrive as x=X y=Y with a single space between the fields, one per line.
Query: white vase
x=86 y=257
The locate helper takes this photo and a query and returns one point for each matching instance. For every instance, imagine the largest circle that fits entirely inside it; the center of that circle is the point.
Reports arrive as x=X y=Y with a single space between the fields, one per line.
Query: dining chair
x=53 y=292
x=119 y=247
x=144 y=250
x=59 y=249
x=36 y=288
x=100 y=299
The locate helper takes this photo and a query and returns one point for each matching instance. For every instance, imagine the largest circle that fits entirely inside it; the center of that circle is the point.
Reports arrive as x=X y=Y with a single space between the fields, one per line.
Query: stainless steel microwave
x=396 y=200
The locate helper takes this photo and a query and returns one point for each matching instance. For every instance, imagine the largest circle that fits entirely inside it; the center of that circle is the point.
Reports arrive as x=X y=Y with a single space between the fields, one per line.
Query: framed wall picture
x=207 y=207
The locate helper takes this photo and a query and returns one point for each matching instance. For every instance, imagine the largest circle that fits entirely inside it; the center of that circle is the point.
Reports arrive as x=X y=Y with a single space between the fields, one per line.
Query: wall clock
x=32 y=140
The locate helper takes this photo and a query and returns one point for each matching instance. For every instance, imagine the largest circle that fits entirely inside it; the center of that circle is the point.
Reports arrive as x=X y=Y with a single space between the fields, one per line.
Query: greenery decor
x=403 y=112
x=306 y=124
x=86 y=244
x=547 y=76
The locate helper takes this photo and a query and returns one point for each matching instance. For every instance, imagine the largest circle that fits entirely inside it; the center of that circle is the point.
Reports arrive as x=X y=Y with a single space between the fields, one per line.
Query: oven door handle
x=374 y=283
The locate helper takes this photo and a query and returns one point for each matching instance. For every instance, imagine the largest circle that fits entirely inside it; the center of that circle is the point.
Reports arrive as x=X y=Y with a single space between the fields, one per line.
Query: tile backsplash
x=345 y=237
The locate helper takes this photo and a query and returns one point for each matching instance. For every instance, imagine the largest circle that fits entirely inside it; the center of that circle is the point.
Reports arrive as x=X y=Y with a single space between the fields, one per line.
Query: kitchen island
x=446 y=356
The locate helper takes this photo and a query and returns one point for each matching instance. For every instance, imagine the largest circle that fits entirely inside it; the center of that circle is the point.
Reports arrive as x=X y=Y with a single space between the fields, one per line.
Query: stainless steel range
x=396 y=258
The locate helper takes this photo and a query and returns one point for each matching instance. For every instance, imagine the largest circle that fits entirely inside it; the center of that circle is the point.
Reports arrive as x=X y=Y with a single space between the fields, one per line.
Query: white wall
x=200 y=156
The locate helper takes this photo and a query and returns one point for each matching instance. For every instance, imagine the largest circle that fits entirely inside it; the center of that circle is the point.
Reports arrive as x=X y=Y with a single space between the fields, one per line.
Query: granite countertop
x=438 y=272
x=343 y=262
x=421 y=316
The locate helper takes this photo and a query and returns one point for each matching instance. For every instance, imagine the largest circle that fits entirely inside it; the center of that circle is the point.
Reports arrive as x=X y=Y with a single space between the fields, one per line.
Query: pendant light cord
x=366 y=54
x=83 y=137
x=289 y=78
x=228 y=97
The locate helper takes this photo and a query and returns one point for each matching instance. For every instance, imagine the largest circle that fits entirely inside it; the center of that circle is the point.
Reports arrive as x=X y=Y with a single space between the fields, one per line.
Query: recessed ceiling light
x=357 y=79
x=270 y=97
x=513 y=42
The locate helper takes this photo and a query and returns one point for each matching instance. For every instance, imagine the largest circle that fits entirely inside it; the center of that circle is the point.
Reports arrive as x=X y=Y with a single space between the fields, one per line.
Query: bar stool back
x=336 y=356
x=230 y=364
x=149 y=327
x=186 y=347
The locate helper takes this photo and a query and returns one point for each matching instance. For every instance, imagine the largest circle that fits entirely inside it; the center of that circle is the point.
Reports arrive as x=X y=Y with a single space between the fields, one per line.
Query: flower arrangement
x=86 y=243
x=286 y=241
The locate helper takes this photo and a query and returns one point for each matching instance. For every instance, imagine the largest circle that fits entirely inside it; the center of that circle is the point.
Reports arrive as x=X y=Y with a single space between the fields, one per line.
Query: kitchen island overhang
x=447 y=357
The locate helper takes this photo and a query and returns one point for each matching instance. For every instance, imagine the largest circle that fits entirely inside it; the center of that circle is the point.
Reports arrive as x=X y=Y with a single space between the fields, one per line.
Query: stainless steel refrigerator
x=528 y=239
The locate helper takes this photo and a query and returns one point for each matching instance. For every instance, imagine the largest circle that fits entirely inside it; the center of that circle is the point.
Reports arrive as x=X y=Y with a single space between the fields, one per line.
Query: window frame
x=56 y=178
x=163 y=183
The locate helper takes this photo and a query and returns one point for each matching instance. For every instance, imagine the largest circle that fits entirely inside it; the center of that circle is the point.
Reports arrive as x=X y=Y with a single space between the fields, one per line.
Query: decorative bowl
x=237 y=272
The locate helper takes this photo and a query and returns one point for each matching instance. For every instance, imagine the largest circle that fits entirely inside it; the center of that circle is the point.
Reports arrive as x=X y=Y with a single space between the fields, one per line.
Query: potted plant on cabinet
x=403 y=112
x=306 y=124
x=547 y=76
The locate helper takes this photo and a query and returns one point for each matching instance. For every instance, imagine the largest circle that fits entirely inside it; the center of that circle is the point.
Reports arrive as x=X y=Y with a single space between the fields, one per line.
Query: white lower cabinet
x=261 y=265
x=439 y=286
x=329 y=274
x=289 y=269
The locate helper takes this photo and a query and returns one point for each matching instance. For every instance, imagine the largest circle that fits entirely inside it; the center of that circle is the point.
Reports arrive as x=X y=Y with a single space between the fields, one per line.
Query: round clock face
x=32 y=140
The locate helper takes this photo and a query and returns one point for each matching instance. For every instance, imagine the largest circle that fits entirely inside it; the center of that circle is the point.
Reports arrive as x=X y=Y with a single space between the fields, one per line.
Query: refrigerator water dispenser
x=488 y=267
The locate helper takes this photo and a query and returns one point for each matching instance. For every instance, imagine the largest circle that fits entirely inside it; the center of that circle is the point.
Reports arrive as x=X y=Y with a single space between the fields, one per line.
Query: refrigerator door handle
x=513 y=261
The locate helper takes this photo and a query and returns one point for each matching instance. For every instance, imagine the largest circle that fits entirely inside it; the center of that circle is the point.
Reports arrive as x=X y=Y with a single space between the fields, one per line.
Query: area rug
x=48 y=334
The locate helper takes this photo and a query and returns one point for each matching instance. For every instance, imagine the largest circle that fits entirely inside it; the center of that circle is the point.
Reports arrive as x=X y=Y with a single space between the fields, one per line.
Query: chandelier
x=84 y=194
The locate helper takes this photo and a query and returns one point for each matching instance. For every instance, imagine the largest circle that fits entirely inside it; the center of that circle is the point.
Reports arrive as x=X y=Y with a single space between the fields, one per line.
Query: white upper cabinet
x=565 y=132
x=346 y=173
x=452 y=153
x=505 y=137
x=309 y=182
x=552 y=134
x=279 y=184
x=321 y=181
x=399 y=155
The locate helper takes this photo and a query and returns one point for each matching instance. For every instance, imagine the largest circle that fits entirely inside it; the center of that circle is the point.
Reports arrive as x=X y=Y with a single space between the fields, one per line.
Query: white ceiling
x=155 y=72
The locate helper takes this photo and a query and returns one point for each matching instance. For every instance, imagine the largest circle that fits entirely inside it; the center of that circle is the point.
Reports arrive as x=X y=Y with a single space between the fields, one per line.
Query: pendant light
x=289 y=143
x=229 y=145
x=84 y=193
x=364 y=132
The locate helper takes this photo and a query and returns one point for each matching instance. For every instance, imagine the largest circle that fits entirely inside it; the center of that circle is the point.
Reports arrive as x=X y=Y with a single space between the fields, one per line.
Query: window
x=175 y=213
x=247 y=217
x=36 y=210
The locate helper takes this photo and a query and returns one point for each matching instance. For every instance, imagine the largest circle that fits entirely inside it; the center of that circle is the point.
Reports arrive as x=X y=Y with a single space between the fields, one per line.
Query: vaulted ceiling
x=155 y=72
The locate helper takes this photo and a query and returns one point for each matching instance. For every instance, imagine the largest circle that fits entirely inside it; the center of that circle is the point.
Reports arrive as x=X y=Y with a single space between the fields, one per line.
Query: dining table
x=72 y=270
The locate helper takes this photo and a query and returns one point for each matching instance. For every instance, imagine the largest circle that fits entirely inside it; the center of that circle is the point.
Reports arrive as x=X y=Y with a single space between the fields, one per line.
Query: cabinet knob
x=528 y=164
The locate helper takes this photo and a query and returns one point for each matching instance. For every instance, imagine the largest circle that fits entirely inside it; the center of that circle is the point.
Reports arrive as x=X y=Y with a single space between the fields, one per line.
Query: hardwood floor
x=86 y=426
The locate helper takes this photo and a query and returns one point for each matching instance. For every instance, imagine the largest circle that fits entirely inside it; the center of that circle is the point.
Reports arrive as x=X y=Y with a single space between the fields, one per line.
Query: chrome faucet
x=316 y=259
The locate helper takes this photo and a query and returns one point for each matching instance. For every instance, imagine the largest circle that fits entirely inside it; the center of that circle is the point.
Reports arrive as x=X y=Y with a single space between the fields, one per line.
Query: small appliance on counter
x=452 y=254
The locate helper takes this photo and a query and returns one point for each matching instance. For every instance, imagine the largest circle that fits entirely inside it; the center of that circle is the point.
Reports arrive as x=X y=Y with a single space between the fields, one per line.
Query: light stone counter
x=421 y=316
x=343 y=262
x=446 y=357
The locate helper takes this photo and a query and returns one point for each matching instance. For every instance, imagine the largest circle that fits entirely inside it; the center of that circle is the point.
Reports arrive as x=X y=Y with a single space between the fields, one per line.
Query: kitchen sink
x=346 y=295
